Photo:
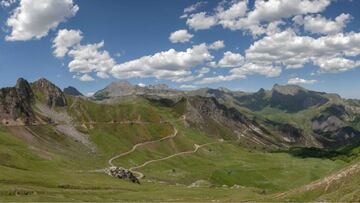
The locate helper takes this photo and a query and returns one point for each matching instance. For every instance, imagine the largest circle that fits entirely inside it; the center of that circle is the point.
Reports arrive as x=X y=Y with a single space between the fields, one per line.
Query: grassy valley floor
x=41 y=164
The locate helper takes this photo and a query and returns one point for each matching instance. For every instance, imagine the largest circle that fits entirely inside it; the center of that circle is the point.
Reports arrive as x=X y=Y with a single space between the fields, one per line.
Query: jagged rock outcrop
x=122 y=174
x=15 y=104
x=72 y=91
x=216 y=119
x=333 y=130
x=47 y=91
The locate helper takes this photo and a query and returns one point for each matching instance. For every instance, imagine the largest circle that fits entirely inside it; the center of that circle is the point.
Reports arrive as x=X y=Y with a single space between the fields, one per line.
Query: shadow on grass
x=346 y=154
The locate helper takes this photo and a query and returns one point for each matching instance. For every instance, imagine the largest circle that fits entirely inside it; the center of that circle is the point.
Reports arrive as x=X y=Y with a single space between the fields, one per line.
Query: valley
x=182 y=146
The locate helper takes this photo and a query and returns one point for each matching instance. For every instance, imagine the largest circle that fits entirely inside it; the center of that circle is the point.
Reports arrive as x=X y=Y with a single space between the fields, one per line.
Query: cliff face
x=332 y=128
x=15 y=104
x=208 y=115
x=51 y=94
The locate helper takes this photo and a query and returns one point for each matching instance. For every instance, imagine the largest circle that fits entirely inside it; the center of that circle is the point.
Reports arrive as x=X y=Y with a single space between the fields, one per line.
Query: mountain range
x=47 y=128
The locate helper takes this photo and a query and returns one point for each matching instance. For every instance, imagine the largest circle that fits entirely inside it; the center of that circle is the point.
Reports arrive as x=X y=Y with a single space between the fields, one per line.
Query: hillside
x=203 y=145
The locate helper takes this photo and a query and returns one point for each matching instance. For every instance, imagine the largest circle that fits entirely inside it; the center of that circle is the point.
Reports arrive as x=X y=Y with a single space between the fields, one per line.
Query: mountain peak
x=224 y=89
x=115 y=89
x=50 y=92
x=120 y=83
x=72 y=91
x=158 y=87
x=287 y=89
x=23 y=87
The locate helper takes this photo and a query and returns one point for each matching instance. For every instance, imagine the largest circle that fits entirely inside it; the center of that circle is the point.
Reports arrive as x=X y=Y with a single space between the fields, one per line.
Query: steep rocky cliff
x=47 y=92
x=332 y=128
x=15 y=104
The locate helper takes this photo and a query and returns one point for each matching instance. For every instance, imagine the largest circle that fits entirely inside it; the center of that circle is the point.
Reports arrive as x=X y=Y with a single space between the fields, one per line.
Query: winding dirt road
x=141 y=144
x=197 y=147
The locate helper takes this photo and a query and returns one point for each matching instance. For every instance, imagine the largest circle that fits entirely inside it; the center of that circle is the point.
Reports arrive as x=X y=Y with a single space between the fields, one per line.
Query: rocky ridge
x=72 y=91
x=50 y=93
x=15 y=104
x=126 y=89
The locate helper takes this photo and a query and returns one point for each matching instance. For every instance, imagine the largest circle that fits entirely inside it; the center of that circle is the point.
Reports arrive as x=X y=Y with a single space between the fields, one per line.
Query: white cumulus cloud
x=300 y=81
x=65 y=40
x=172 y=65
x=293 y=51
x=231 y=60
x=33 y=19
x=242 y=71
x=90 y=58
x=337 y=64
x=86 y=78
x=180 y=36
x=321 y=25
x=217 y=45
x=201 y=21
x=263 y=18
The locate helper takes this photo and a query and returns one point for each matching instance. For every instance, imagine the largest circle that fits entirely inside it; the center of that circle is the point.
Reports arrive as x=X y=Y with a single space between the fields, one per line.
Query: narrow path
x=325 y=182
x=197 y=147
x=110 y=162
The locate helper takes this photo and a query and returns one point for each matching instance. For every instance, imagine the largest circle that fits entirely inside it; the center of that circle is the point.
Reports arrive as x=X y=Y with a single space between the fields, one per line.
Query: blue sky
x=312 y=43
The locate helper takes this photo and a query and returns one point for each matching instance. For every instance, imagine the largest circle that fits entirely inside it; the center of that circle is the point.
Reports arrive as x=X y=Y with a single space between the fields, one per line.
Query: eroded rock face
x=51 y=93
x=15 y=104
x=122 y=174
x=208 y=115
x=332 y=129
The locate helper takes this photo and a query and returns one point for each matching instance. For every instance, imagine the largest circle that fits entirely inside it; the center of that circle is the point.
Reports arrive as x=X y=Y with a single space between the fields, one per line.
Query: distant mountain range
x=270 y=145
x=278 y=118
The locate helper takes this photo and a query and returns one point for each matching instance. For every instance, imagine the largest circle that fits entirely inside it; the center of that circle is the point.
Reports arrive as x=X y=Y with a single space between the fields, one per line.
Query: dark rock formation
x=15 y=104
x=123 y=174
x=332 y=129
x=72 y=91
x=47 y=91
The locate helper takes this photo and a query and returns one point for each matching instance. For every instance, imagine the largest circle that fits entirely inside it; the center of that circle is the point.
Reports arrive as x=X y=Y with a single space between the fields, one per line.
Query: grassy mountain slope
x=43 y=163
x=63 y=174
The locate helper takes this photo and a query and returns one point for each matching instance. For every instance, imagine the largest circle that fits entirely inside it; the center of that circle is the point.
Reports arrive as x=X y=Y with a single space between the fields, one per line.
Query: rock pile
x=122 y=174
